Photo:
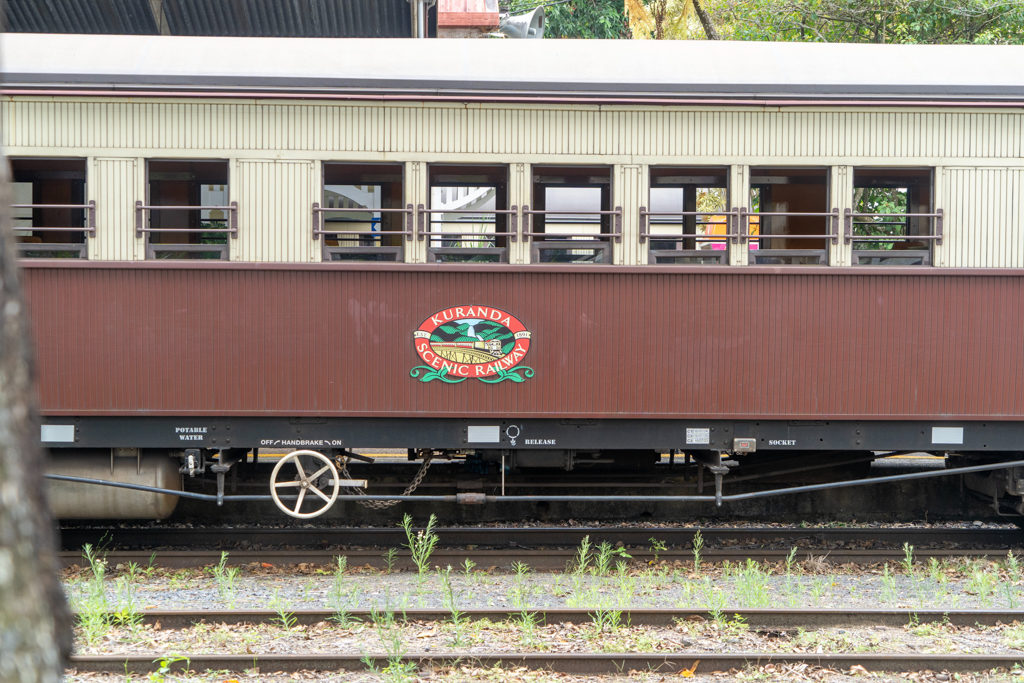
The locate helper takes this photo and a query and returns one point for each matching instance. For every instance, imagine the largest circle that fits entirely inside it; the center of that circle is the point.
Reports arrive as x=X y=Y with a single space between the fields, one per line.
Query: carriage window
x=188 y=215
x=50 y=215
x=687 y=220
x=790 y=221
x=362 y=216
x=572 y=220
x=893 y=221
x=469 y=218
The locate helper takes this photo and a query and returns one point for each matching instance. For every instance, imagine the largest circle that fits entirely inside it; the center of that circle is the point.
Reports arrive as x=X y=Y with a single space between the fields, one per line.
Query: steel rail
x=548 y=559
x=755 y=618
x=601 y=663
x=632 y=537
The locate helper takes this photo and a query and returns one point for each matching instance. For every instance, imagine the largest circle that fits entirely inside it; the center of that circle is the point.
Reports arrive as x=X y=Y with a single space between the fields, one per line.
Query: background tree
x=871 y=21
x=668 y=19
x=35 y=637
x=576 y=18
x=836 y=21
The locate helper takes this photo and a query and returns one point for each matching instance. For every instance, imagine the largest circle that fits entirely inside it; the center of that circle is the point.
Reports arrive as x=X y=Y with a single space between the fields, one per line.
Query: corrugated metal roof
x=289 y=18
x=75 y=16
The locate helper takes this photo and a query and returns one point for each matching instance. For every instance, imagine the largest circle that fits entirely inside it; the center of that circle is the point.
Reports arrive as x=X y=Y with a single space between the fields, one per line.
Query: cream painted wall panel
x=252 y=127
x=984 y=224
x=416 y=193
x=841 y=197
x=739 y=197
x=628 y=191
x=275 y=221
x=519 y=194
x=435 y=129
x=115 y=185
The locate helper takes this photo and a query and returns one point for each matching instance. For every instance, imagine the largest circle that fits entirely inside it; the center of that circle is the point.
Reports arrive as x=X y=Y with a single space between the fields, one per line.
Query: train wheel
x=307 y=480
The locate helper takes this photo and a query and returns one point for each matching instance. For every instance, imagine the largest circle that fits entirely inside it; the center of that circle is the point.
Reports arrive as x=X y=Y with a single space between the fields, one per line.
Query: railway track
x=569 y=663
x=148 y=537
x=540 y=547
x=754 y=618
x=774 y=621
x=545 y=560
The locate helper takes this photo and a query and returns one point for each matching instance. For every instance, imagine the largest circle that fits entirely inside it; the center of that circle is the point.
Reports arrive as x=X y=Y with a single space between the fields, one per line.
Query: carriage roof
x=630 y=70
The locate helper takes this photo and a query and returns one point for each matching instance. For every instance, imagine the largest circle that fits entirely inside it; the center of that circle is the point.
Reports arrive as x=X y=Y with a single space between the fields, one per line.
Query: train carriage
x=526 y=254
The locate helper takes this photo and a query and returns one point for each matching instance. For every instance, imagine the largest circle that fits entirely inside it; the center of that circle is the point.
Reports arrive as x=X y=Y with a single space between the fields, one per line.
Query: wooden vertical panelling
x=115 y=185
x=416 y=193
x=984 y=223
x=771 y=343
x=841 y=197
x=519 y=192
x=662 y=133
x=274 y=225
x=940 y=252
x=739 y=198
x=628 y=192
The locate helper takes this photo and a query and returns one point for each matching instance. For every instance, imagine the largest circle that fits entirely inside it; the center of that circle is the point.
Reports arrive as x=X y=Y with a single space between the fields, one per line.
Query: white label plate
x=57 y=433
x=483 y=434
x=954 y=435
x=700 y=436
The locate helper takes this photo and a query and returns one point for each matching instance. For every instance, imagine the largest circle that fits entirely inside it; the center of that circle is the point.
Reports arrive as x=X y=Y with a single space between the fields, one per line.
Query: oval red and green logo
x=472 y=342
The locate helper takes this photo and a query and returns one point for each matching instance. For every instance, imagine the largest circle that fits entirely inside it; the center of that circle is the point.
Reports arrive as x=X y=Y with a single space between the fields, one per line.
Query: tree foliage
x=577 y=18
x=871 y=21
x=880 y=200
x=668 y=19
x=834 y=21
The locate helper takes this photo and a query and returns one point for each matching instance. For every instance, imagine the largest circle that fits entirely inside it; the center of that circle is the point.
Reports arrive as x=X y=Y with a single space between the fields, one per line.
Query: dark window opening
x=363 y=216
x=468 y=214
x=790 y=220
x=189 y=216
x=51 y=218
x=892 y=222
x=687 y=220
x=572 y=218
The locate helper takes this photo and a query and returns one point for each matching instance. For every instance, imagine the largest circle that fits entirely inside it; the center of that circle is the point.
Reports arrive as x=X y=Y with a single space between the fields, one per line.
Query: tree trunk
x=35 y=634
x=705 y=21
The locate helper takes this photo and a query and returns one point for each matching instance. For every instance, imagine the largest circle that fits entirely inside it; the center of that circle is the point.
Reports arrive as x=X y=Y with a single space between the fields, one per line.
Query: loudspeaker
x=529 y=25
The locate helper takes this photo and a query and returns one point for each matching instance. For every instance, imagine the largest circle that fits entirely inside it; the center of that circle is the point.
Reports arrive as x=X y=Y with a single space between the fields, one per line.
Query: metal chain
x=385 y=504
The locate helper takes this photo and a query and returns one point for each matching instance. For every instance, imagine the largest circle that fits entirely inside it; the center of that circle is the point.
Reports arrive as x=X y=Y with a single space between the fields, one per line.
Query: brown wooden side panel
x=225 y=339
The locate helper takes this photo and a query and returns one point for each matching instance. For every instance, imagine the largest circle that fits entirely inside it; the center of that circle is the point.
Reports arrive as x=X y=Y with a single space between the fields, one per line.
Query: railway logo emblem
x=472 y=342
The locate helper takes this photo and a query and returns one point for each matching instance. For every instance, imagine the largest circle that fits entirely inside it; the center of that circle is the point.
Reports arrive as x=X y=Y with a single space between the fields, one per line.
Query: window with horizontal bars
x=572 y=220
x=468 y=218
x=789 y=220
x=187 y=214
x=361 y=215
x=687 y=218
x=893 y=221
x=51 y=217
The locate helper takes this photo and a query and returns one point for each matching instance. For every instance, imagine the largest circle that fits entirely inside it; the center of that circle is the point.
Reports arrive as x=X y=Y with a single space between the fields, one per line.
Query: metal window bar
x=52 y=249
x=231 y=228
x=159 y=250
x=850 y=221
x=494 y=253
x=902 y=257
x=807 y=256
x=374 y=252
x=579 y=242
x=680 y=255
